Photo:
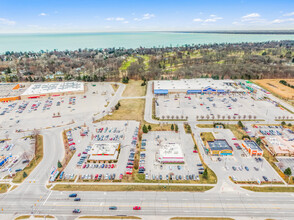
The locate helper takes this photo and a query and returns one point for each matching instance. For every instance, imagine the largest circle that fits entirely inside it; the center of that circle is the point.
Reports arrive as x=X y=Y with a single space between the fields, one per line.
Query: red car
x=234 y=139
x=112 y=165
x=136 y=208
x=96 y=176
x=129 y=172
x=79 y=154
x=73 y=143
x=195 y=151
x=84 y=166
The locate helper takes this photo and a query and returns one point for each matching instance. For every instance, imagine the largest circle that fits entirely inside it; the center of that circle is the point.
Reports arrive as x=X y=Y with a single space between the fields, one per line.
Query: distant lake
x=37 y=42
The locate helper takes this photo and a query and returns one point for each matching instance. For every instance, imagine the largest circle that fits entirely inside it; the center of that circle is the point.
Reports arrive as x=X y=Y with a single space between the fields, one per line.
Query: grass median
x=19 y=176
x=200 y=218
x=269 y=189
x=81 y=187
x=109 y=217
x=4 y=188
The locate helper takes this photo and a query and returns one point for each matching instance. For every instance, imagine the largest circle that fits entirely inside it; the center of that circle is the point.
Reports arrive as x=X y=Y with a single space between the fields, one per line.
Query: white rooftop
x=196 y=84
x=54 y=87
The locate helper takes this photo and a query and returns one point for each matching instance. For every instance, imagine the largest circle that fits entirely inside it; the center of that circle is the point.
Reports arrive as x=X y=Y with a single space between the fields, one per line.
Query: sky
x=65 y=16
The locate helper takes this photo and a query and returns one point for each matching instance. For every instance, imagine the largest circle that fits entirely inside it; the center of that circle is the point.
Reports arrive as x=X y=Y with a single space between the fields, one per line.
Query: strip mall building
x=195 y=86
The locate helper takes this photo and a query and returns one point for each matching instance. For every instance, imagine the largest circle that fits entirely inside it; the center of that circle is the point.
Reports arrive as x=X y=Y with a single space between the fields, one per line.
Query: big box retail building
x=40 y=90
x=195 y=86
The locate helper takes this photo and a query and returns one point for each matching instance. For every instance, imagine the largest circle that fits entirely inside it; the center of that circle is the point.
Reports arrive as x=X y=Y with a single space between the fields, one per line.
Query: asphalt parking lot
x=241 y=166
x=154 y=169
x=17 y=151
x=122 y=129
x=179 y=106
x=285 y=162
x=56 y=110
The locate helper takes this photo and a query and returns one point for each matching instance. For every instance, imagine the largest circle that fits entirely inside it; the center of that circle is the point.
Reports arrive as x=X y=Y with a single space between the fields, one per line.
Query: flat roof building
x=280 y=146
x=252 y=148
x=170 y=153
x=195 y=86
x=39 y=90
x=219 y=147
x=104 y=151
x=10 y=91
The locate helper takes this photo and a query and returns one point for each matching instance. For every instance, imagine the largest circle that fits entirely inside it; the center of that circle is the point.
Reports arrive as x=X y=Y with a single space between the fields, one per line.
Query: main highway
x=32 y=196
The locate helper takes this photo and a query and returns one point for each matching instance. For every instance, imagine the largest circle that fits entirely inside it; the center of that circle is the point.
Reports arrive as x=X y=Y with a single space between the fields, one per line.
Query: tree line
x=272 y=59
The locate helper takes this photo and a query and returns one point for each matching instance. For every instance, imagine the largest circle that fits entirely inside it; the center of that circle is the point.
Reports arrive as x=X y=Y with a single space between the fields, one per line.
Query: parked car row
x=110 y=176
x=240 y=168
x=143 y=144
x=194 y=177
x=101 y=166
x=70 y=141
x=47 y=105
x=8 y=109
x=270 y=132
x=72 y=100
x=107 y=130
x=108 y=138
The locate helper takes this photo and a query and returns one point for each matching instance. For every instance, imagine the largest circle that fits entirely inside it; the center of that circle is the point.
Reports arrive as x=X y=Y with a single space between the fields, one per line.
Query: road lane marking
x=47 y=197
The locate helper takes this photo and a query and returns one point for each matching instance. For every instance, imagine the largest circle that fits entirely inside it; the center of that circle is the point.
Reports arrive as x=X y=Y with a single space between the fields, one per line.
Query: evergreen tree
x=205 y=174
x=145 y=130
x=59 y=164
x=172 y=127
x=24 y=174
x=149 y=127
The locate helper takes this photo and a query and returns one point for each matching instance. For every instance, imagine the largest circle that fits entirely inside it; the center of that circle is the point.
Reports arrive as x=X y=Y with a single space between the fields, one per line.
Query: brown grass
x=111 y=217
x=277 y=88
x=200 y=218
x=171 y=188
x=134 y=89
x=4 y=187
x=130 y=109
x=269 y=189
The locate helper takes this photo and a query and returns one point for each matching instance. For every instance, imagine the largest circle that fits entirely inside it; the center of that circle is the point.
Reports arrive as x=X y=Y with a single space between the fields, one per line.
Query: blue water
x=37 y=42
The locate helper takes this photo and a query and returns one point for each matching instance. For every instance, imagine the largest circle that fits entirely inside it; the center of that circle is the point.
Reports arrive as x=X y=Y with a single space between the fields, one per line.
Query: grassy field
x=63 y=187
x=134 y=89
x=109 y=217
x=236 y=130
x=35 y=216
x=33 y=163
x=130 y=109
x=205 y=126
x=269 y=189
x=207 y=136
x=127 y=63
x=200 y=218
x=159 y=127
x=277 y=88
x=4 y=187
